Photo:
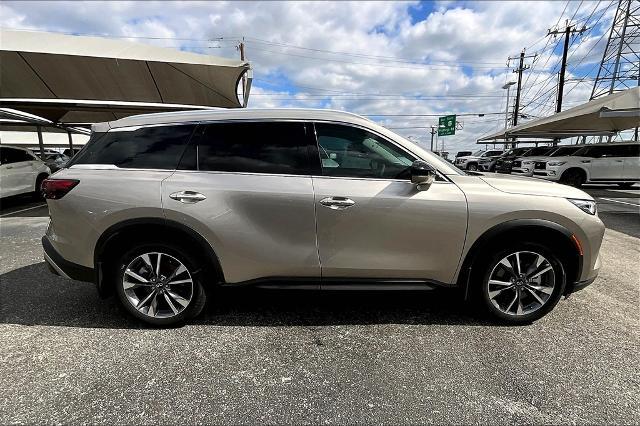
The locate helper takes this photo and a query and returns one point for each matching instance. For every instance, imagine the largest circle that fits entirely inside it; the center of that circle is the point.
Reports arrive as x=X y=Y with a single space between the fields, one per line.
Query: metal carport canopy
x=37 y=65
x=602 y=116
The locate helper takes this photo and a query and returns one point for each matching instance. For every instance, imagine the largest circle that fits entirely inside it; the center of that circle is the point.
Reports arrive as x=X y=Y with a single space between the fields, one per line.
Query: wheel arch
x=141 y=229
x=553 y=235
x=41 y=175
x=579 y=169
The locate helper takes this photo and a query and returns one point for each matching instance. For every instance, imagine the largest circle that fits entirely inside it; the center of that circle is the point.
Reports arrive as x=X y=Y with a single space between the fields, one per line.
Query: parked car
x=463 y=153
x=617 y=163
x=504 y=162
x=489 y=164
x=523 y=165
x=71 y=152
x=159 y=207
x=55 y=161
x=20 y=171
x=471 y=162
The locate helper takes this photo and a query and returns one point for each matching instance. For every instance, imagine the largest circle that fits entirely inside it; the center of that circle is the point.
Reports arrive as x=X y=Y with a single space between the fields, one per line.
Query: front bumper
x=548 y=174
x=522 y=171
x=60 y=266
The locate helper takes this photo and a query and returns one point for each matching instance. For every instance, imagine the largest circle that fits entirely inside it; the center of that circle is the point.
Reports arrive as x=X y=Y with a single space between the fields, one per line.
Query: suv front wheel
x=158 y=284
x=522 y=284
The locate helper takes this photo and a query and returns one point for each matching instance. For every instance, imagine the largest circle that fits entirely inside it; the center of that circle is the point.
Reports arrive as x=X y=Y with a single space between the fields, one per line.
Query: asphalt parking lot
x=309 y=357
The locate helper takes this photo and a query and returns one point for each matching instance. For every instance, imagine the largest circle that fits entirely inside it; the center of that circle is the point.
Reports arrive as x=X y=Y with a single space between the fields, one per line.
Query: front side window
x=251 y=147
x=157 y=147
x=352 y=152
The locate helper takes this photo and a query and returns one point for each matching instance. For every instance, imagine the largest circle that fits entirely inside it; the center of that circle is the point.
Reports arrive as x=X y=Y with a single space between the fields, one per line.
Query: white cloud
x=469 y=43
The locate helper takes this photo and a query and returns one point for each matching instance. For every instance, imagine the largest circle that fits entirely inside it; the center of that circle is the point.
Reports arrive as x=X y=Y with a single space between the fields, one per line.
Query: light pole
x=506 y=108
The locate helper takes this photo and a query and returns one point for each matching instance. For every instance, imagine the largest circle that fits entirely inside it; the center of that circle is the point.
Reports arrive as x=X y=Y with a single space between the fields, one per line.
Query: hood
x=538 y=158
x=532 y=186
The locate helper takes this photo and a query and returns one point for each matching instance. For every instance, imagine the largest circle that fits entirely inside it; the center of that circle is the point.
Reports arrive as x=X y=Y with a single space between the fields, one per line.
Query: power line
x=362 y=55
x=417 y=66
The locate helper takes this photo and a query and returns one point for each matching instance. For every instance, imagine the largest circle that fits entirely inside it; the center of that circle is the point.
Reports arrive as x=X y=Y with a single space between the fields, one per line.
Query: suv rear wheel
x=158 y=284
x=522 y=284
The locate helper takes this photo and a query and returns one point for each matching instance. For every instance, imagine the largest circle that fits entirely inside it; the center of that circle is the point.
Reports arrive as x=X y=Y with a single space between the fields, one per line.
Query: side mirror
x=422 y=173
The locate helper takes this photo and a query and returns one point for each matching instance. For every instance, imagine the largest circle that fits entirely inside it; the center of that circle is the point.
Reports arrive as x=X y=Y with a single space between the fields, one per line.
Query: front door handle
x=188 y=197
x=337 y=203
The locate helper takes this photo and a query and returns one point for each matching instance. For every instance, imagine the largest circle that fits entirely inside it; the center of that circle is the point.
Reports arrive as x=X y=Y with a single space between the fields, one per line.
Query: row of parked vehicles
x=22 y=171
x=575 y=165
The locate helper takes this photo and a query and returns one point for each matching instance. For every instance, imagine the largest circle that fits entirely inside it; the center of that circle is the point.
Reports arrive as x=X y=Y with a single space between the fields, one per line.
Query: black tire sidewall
x=573 y=178
x=492 y=260
x=188 y=260
x=472 y=167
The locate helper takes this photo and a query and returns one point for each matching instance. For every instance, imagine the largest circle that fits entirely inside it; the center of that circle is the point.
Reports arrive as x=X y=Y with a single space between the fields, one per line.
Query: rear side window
x=158 y=147
x=10 y=155
x=276 y=148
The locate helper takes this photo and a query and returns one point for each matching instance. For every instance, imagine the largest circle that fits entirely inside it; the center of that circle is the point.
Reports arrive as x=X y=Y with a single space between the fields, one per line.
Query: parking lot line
x=621 y=202
x=24 y=210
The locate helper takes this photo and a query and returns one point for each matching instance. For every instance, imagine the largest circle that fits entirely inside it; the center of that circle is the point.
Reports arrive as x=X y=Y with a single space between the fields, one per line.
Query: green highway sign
x=447 y=125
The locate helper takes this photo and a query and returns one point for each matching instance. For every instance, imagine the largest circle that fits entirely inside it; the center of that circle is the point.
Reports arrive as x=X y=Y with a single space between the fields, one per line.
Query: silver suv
x=160 y=208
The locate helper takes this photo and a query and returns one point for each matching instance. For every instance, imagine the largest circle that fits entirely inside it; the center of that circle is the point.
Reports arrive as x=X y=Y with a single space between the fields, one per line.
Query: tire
x=160 y=303
x=513 y=300
x=472 y=167
x=37 y=193
x=573 y=177
x=625 y=185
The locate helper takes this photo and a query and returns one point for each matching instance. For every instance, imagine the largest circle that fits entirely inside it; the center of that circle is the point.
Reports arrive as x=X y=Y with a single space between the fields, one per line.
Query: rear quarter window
x=157 y=147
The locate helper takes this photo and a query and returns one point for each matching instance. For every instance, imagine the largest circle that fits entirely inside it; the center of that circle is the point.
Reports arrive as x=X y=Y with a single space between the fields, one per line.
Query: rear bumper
x=579 y=285
x=60 y=266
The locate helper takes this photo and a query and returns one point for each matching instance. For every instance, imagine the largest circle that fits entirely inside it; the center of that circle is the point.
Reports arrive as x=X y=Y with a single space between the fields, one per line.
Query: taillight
x=54 y=189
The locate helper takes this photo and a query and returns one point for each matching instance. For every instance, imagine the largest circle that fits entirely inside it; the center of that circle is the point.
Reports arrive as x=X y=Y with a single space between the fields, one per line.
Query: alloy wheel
x=521 y=283
x=157 y=285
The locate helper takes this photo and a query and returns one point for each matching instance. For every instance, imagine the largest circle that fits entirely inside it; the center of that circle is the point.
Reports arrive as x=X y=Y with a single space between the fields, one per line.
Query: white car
x=470 y=162
x=599 y=163
x=21 y=171
x=523 y=166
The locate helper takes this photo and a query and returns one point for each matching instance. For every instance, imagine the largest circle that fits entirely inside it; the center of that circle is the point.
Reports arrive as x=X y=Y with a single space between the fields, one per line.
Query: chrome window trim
x=278 y=120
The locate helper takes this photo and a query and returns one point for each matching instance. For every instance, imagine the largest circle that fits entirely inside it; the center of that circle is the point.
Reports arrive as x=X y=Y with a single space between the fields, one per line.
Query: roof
x=39 y=65
x=603 y=116
x=235 y=114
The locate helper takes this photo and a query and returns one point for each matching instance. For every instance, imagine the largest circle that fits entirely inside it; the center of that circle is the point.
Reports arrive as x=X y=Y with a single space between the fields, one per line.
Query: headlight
x=586 y=206
x=556 y=163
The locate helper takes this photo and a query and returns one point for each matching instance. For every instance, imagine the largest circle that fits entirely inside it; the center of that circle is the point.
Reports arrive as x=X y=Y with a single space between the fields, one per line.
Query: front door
x=608 y=163
x=372 y=221
x=246 y=187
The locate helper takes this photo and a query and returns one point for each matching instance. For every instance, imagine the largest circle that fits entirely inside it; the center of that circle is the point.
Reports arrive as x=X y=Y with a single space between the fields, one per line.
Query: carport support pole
x=70 y=142
x=40 y=142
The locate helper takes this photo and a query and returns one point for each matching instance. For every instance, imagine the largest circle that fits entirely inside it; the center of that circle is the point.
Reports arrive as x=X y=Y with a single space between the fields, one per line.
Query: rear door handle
x=188 y=197
x=337 y=203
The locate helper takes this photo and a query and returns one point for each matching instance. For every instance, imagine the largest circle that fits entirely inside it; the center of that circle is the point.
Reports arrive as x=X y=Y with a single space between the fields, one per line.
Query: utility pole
x=568 y=31
x=244 y=76
x=521 y=67
x=519 y=70
x=433 y=132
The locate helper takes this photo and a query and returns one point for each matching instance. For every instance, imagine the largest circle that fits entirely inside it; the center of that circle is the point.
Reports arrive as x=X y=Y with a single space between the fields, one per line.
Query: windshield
x=564 y=150
x=478 y=153
x=540 y=150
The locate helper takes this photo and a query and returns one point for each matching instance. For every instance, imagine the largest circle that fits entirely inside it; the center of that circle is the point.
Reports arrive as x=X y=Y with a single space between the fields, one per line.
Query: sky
x=401 y=64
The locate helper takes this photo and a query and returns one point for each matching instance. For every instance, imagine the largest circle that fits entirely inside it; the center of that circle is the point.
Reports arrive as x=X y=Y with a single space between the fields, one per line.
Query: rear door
x=246 y=187
x=372 y=221
x=17 y=171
